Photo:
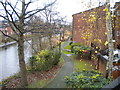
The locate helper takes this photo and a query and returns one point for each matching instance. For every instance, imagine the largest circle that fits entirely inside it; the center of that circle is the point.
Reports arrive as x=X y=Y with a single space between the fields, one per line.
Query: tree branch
x=8 y=36
x=30 y=45
x=8 y=17
x=27 y=5
x=13 y=8
x=33 y=12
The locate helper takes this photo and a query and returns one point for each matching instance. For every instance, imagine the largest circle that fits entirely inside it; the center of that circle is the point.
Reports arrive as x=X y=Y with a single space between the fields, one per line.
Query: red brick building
x=89 y=27
x=117 y=25
x=9 y=30
x=6 y=28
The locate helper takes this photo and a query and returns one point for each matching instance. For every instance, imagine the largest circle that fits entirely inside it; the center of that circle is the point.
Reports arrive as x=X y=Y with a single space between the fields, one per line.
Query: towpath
x=66 y=70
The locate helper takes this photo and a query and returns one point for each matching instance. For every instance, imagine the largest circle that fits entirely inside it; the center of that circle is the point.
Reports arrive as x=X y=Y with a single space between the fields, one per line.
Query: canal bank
x=7 y=44
x=9 y=63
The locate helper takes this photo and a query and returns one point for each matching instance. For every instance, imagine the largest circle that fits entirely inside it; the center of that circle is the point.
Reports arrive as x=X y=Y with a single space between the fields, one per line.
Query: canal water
x=9 y=64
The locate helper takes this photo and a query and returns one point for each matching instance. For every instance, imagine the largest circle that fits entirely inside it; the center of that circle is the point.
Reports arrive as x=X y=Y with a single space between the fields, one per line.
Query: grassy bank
x=80 y=64
x=41 y=83
x=36 y=79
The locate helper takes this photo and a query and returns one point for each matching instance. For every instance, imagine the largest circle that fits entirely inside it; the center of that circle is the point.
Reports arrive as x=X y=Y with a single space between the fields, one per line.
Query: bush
x=32 y=62
x=44 y=61
x=86 y=79
x=79 y=48
x=73 y=45
x=70 y=43
x=57 y=56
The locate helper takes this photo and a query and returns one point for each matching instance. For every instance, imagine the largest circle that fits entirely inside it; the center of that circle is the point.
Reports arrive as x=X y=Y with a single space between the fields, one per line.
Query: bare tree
x=101 y=2
x=37 y=24
x=49 y=16
x=17 y=19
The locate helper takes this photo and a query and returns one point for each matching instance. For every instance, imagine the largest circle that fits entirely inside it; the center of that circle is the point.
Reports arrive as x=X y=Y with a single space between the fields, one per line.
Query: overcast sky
x=69 y=7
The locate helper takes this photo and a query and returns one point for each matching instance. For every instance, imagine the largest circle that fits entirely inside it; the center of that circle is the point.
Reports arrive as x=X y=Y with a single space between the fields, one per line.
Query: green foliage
x=70 y=43
x=44 y=60
x=66 y=52
x=78 y=48
x=76 y=44
x=82 y=64
x=37 y=84
x=57 y=56
x=68 y=46
x=32 y=62
x=86 y=79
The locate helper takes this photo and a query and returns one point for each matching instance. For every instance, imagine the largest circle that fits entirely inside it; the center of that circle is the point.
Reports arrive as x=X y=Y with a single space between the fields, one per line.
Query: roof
x=117 y=4
x=88 y=10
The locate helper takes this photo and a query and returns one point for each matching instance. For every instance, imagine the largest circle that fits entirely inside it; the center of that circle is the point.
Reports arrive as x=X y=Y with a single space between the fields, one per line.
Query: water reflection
x=9 y=64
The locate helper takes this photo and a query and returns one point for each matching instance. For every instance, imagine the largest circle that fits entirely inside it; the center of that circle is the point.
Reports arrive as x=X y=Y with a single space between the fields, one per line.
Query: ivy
x=86 y=79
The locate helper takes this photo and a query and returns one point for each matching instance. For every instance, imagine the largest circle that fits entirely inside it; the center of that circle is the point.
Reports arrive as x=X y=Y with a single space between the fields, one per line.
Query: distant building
x=4 y=26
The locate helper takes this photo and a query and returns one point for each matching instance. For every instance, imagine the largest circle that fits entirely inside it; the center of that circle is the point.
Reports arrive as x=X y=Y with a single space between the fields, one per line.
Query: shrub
x=32 y=62
x=57 y=56
x=79 y=48
x=86 y=79
x=70 y=43
x=44 y=60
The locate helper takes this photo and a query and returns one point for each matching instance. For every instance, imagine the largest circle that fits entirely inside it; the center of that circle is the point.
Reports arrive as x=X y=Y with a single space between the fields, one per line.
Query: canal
x=9 y=64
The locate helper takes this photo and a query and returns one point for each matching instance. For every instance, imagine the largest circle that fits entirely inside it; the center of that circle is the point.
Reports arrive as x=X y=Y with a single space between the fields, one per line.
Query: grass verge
x=62 y=43
x=37 y=84
x=66 y=52
x=80 y=64
x=68 y=47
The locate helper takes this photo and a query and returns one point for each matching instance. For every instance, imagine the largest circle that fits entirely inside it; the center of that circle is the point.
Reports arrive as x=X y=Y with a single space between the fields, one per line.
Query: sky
x=69 y=7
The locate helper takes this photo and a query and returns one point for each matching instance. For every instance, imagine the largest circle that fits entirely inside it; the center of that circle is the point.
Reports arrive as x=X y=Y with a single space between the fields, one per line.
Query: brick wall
x=90 y=27
x=117 y=24
x=99 y=63
x=116 y=71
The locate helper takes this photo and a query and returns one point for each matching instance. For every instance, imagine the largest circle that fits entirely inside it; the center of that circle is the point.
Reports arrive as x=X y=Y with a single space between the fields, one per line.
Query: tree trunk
x=40 y=43
x=50 y=41
x=23 y=71
x=109 y=37
x=60 y=43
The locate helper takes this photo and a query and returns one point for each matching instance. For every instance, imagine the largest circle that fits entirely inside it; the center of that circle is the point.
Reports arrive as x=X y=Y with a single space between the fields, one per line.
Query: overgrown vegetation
x=42 y=83
x=37 y=84
x=80 y=64
x=86 y=79
x=78 y=48
x=66 y=52
x=44 y=60
x=68 y=46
